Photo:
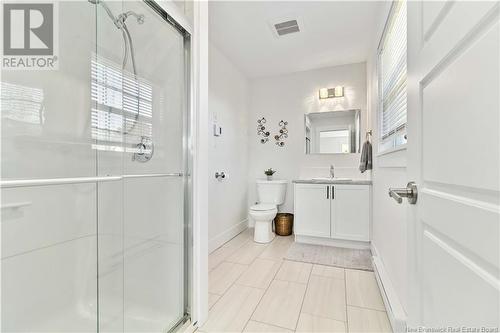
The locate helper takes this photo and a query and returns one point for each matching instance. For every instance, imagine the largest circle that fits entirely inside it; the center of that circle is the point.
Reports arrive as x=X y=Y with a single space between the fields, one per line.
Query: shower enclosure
x=95 y=190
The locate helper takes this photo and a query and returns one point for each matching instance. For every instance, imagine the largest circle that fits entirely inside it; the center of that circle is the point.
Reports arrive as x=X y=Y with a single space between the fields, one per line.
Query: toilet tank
x=271 y=191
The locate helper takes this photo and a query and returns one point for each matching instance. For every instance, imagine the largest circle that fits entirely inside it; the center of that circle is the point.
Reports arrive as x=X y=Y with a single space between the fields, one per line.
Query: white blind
x=123 y=104
x=22 y=103
x=392 y=72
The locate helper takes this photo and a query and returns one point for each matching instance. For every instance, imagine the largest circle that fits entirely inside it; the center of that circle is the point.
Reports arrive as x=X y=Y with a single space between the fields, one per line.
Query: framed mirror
x=333 y=132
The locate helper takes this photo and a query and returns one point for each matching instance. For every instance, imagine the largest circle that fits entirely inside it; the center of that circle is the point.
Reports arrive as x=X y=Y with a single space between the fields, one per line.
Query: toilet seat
x=262 y=207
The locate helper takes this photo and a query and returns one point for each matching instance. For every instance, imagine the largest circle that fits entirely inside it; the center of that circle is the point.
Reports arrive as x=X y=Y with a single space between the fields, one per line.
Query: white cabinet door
x=312 y=210
x=350 y=212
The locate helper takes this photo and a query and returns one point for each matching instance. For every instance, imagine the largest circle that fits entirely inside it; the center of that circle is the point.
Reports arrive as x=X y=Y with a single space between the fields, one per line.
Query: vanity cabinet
x=339 y=211
x=312 y=210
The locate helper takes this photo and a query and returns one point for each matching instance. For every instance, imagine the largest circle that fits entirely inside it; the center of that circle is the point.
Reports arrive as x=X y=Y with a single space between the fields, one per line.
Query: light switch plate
x=217 y=130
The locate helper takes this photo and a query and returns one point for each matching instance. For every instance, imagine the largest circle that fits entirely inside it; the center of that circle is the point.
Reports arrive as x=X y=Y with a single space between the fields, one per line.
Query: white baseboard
x=395 y=311
x=350 y=244
x=225 y=236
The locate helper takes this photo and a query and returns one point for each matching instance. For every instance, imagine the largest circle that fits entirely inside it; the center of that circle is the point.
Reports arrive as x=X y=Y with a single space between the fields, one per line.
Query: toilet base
x=263 y=232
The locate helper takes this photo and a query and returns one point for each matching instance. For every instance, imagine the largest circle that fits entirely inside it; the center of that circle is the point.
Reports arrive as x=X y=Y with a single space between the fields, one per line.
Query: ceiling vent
x=287 y=27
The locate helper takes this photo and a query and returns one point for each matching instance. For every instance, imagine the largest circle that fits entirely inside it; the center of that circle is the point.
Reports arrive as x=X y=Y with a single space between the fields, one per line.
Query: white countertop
x=334 y=181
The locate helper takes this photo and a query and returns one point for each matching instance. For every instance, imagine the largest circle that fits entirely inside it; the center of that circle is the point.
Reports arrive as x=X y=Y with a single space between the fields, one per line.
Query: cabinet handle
x=333 y=193
x=328 y=192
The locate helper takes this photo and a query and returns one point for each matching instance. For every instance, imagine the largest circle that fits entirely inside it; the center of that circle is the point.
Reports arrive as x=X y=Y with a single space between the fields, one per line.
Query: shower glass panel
x=143 y=94
x=94 y=187
x=49 y=227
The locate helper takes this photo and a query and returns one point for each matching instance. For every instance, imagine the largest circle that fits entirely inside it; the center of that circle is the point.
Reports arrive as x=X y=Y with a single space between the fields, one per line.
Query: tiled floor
x=252 y=288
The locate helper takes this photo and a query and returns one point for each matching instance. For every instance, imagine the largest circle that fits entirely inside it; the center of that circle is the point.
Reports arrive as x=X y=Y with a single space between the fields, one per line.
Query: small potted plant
x=269 y=173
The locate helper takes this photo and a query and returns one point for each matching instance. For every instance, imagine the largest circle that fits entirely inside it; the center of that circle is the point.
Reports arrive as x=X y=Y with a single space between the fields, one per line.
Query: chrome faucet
x=332 y=171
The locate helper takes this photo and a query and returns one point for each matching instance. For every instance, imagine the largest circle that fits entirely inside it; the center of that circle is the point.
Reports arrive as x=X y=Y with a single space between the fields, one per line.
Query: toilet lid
x=263 y=207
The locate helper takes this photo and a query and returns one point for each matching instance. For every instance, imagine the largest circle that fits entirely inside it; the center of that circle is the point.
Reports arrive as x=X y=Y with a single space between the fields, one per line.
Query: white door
x=350 y=212
x=453 y=155
x=312 y=210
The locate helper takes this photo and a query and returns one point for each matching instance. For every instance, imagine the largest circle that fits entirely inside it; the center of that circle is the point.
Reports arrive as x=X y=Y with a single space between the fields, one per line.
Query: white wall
x=389 y=218
x=289 y=97
x=228 y=105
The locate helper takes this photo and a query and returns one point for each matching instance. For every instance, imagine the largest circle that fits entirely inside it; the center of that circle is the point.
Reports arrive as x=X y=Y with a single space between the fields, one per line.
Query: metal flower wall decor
x=283 y=134
x=261 y=130
x=264 y=134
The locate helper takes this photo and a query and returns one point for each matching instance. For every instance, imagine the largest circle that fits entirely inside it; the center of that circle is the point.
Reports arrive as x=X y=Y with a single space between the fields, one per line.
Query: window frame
x=397 y=140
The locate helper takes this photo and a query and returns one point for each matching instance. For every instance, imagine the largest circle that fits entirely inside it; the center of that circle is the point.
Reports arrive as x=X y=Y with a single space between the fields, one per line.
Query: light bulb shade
x=339 y=91
x=323 y=93
x=331 y=92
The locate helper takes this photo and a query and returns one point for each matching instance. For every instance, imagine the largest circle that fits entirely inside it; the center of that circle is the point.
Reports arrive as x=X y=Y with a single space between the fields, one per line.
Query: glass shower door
x=93 y=186
x=48 y=192
x=140 y=105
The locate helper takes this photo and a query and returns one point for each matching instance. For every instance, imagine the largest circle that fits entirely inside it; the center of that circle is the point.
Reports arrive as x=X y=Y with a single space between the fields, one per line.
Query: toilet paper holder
x=220 y=176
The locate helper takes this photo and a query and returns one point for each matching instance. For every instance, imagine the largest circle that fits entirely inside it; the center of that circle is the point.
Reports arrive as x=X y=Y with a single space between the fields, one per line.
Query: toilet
x=271 y=194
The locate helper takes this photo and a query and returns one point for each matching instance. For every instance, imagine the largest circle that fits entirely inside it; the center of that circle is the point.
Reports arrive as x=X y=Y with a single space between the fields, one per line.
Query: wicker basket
x=283 y=224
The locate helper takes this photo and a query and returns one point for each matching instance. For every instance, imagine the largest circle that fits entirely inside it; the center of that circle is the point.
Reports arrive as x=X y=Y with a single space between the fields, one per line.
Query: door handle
x=410 y=192
x=328 y=192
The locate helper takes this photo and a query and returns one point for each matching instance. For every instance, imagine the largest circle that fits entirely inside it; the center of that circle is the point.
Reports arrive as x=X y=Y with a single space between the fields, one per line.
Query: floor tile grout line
x=273 y=325
x=265 y=291
x=251 y=262
x=281 y=261
x=235 y=282
x=222 y=246
x=345 y=297
x=365 y=308
x=237 y=278
x=323 y=317
x=359 y=306
x=269 y=286
x=231 y=283
x=304 y=297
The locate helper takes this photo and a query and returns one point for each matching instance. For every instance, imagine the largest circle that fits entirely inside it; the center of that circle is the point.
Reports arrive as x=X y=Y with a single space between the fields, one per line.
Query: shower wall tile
x=47 y=132
x=37 y=217
x=153 y=285
x=110 y=263
x=51 y=289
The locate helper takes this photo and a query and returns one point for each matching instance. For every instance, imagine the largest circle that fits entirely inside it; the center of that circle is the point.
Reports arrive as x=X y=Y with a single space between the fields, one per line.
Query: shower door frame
x=188 y=127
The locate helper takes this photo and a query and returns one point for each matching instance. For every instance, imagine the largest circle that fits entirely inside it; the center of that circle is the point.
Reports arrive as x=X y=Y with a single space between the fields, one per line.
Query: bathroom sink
x=332 y=179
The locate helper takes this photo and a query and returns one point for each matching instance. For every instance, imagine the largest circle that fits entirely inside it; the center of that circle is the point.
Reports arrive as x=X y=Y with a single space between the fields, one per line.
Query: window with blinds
x=392 y=79
x=122 y=105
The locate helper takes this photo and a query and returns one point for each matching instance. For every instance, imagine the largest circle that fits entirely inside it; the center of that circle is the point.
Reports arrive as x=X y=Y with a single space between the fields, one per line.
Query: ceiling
x=332 y=33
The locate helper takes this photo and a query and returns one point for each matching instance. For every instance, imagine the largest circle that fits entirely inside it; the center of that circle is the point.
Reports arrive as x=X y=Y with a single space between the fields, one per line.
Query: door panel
x=472 y=224
x=312 y=210
x=453 y=155
x=453 y=286
x=467 y=105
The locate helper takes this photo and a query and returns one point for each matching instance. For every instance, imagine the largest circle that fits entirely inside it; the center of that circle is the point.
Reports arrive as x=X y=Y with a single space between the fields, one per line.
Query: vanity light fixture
x=325 y=93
